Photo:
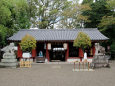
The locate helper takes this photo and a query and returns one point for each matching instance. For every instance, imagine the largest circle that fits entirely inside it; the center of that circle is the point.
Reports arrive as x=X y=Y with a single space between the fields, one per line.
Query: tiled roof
x=58 y=34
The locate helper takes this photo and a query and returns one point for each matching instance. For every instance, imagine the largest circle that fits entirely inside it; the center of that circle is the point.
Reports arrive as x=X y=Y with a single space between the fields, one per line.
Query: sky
x=80 y=1
x=76 y=0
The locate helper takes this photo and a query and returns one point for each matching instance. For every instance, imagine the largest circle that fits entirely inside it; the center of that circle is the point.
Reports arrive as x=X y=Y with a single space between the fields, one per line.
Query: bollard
x=74 y=66
x=88 y=65
x=79 y=65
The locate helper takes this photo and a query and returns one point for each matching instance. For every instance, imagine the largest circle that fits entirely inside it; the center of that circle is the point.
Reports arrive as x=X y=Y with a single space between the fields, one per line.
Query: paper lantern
x=65 y=46
x=49 y=46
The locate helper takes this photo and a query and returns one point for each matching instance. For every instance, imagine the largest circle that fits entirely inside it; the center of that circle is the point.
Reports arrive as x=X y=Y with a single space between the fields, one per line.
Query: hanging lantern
x=65 y=46
x=49 y=46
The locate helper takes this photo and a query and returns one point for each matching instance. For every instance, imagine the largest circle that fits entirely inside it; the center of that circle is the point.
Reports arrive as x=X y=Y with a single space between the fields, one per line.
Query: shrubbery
x=28 y=43
x=83 y=40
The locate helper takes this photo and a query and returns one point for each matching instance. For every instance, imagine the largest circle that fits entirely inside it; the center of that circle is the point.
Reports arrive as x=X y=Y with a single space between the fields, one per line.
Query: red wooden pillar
x=67 y=52
x=93 y=50
x=47 y=52
x=19 y=52
x=33 y=53
x=81 y=54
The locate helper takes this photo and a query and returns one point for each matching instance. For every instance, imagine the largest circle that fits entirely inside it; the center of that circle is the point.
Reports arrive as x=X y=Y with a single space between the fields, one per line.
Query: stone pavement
x=56 y=75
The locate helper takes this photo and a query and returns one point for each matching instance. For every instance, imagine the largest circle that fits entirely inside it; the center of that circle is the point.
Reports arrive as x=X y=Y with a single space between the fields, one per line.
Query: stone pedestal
x=9 y=61
x=100 y=61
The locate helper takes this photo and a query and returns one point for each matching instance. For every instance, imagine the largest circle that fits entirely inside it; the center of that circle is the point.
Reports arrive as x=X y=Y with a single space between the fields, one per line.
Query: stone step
x=9 y=56
x=9 y=64
x=9 y=60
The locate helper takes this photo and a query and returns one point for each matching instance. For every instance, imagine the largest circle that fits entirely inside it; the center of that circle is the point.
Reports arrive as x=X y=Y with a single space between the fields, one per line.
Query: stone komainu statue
x=100 y=59
x=9 y=51
x=9 y=57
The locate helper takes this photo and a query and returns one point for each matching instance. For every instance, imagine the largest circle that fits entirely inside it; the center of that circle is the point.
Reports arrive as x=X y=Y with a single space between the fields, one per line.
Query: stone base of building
x=78 y=59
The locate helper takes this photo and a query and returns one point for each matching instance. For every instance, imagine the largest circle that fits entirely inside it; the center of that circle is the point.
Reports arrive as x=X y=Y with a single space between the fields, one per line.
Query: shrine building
x=57 y=44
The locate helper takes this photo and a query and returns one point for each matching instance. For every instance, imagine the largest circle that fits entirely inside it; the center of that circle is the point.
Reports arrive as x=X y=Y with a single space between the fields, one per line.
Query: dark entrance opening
x=40 y=47
x=57 y=52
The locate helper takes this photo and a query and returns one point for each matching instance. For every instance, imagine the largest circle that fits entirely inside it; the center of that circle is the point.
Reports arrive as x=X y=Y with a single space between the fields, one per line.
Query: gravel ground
x=56 y=75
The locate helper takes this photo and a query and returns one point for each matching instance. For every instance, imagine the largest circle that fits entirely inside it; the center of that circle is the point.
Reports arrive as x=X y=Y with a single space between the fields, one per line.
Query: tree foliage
x=13 y=16
x=102 y=16
x=3 y=33
x=99 y=10
x=48 y=12
x=108 y=20
x=87 y=1
x=107 y=24
x=111 y=4
x=21 y=15
x=72 y=16
x=28 y=43
x=82 y=40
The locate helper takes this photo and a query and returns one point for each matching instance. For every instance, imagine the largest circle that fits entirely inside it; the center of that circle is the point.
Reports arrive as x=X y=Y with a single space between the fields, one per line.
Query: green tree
x=20 y=15
x=87 y=1
x=3 y=34
x=48 y=12
x=71 y=17
x=107 y=25
x=111 y=4
x=82 y=40
x=28 y=43
x=5 y=13
x=99 y=10
x=13 y=16
x=108 y=20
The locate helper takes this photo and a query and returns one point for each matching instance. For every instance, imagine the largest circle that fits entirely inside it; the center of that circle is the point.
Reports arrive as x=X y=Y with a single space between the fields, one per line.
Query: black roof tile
x=58 y=34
